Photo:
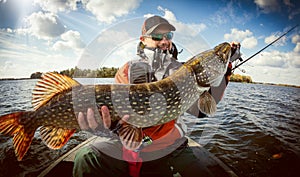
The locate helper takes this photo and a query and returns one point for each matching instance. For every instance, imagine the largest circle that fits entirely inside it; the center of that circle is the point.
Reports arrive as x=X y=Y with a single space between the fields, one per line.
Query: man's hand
x=228 y=72
x=90 y=123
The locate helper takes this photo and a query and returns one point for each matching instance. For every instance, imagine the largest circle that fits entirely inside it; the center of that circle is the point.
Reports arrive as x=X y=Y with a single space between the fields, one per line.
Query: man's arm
x=216 y=92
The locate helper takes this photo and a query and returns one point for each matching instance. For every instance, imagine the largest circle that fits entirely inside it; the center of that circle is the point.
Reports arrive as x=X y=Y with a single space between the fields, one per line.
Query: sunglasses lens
x=169 y=35
x=159 y=37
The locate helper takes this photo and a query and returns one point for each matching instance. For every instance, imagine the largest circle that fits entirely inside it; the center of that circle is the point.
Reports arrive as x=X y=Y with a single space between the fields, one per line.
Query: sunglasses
x=159 y=37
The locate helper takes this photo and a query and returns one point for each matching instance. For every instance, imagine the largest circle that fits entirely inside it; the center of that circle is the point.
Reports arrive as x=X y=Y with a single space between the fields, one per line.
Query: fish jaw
x=210 y=66
x=224 y=51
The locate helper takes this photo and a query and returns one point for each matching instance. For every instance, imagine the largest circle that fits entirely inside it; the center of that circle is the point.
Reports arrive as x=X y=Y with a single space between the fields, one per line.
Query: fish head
x=210 y=66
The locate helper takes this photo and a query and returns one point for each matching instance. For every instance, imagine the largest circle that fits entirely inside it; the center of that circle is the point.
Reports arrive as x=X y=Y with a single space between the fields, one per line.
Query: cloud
x=294 y=58
x=107 y=10
x=104 y=10
x=8 y=65
x=28 y=56
x=23 y=67
x=249 y=42
x=57 y=6
x=273 y=59
x=246 y=37
x=188 y=34
x=27 y=59
x=192 y=29
x=237 y=34
x=233 y=14
x=45 y=25
x=277 y=75
x=13 y=46
x=118 y=35
x=109 y=42
x=296 y=38
x=122 y=54
x=70 y=41
x=291 y=9
x=277 y=59
x=268 y=6
x=273 y=37
x=167 y=13
x=297 y=48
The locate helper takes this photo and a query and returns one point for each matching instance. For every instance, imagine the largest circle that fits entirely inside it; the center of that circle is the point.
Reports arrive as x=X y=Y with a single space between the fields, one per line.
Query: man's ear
x=142 y=38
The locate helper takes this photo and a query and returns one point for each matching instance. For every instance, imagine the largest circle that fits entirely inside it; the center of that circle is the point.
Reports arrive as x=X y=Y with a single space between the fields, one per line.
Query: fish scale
x=57 y=100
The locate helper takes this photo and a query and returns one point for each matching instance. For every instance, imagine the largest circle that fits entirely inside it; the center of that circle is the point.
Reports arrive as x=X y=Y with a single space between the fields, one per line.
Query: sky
x=54 y=35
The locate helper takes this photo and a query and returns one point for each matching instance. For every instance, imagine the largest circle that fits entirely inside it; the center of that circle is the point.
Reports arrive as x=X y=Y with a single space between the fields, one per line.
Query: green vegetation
x=103 y=72
x=106 y=72
x=240 y=78
x=36 y=75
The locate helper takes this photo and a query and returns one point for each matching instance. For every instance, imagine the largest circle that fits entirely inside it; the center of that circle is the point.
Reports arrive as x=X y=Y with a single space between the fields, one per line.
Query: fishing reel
x=236 y=63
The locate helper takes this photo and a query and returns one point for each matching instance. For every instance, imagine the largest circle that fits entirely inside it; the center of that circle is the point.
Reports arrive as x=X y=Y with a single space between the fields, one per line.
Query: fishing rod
x=264 y=48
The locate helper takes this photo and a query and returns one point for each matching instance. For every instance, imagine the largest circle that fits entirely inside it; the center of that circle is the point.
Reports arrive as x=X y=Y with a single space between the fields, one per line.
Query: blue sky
x=46 y=35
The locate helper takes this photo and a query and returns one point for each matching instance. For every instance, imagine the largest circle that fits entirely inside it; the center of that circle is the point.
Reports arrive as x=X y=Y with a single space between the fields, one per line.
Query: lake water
x=256 y=131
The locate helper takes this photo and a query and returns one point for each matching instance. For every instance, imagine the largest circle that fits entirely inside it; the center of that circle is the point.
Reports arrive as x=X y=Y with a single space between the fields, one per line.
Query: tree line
x=240 y=78
x=104 y=72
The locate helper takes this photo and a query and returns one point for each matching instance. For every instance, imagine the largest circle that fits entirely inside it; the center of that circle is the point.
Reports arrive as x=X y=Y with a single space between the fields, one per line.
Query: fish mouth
x=224 y=52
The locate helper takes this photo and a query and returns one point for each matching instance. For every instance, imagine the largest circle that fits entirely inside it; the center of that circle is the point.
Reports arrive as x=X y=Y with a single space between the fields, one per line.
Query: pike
x=57 y=100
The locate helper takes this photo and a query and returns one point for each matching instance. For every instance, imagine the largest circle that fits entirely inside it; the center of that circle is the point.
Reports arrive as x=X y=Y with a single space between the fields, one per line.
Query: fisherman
x=165 y=144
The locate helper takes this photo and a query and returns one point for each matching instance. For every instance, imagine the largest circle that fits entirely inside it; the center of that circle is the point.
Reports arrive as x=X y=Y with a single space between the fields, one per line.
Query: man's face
x=163 y=44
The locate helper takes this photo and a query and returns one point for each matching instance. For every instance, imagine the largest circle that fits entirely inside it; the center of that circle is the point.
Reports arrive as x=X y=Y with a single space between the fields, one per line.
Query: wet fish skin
x=171 y=96
x=57 y=99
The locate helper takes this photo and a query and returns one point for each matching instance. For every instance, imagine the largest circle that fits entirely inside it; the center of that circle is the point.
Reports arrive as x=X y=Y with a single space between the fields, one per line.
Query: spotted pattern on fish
x=57 y=100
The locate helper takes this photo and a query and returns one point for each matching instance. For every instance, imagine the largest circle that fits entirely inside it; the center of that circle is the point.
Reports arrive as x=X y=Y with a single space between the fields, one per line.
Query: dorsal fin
x=50 y=85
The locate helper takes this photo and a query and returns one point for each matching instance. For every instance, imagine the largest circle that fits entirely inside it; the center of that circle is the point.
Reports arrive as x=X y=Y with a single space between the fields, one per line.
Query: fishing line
x=264 y=48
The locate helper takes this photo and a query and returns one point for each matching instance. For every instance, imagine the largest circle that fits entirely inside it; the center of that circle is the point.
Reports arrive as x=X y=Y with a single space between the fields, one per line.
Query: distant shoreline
x=285 y=85
x=263 y=83
x=10 y=79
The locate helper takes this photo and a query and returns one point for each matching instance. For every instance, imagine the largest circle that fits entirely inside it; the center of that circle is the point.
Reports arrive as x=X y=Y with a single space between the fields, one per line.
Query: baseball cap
x=155 y=24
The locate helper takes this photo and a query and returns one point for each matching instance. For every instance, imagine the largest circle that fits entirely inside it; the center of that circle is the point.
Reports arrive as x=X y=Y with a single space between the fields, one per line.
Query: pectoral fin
x=130 y=136
x=54 y=137
x=207 y=104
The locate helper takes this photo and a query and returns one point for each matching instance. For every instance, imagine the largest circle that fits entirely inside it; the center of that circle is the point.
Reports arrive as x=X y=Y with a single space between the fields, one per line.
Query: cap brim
x=161 y=28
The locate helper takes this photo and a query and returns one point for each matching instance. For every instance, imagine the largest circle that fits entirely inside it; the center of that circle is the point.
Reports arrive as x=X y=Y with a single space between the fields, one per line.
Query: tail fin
x=10 y=125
